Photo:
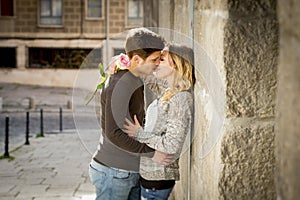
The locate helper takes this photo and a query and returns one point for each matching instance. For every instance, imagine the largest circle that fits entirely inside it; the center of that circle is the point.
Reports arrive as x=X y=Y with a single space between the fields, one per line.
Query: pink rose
x=124 y=59
x=123 y=62
x=119 y=62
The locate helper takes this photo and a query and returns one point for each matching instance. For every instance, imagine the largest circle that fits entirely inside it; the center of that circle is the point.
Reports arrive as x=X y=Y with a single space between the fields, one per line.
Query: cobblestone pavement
x=51 y=167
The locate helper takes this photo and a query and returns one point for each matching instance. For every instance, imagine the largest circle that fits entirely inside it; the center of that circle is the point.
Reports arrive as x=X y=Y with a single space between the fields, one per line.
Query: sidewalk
x=52 y=167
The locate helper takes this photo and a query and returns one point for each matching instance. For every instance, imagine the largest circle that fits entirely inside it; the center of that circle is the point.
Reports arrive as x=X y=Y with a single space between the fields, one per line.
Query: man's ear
x=137 y=59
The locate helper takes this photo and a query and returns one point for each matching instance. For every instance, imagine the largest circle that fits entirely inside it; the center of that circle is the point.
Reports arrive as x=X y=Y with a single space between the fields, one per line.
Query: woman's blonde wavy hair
x=183 y=59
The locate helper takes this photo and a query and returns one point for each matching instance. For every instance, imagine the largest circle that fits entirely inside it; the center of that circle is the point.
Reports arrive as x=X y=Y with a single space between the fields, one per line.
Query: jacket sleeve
x=178 y=124
x=114 y=121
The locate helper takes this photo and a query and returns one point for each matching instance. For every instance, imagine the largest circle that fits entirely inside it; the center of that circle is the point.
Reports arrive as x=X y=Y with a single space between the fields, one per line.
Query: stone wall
x=250 y=58
x=209 y=22
x=288 y=107
x=236 y=48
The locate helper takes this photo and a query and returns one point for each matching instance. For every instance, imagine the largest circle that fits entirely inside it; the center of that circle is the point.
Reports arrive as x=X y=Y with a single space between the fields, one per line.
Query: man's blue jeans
x=152 y=194
x=113 y=183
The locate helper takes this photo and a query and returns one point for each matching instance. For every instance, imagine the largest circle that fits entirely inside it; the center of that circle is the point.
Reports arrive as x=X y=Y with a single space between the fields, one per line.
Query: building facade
x=48 y=37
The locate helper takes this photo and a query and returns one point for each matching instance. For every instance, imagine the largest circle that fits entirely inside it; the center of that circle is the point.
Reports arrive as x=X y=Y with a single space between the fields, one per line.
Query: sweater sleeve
x=157 y=86
x=178 y=123
x=114 y=124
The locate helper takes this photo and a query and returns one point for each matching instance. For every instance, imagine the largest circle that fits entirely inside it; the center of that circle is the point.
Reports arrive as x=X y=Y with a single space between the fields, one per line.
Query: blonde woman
x=168 y=120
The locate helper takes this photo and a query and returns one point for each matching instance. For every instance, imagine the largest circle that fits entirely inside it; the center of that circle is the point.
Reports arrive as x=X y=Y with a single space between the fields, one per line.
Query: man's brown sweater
x=123 y=97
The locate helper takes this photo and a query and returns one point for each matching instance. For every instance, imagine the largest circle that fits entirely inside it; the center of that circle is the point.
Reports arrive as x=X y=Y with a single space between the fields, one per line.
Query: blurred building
x=41 y=35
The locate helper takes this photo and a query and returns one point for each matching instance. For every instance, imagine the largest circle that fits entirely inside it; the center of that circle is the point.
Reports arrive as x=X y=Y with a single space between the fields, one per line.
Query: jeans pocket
x=125 y=179
x=97 y=176
x=122 y=175
x=155 y=194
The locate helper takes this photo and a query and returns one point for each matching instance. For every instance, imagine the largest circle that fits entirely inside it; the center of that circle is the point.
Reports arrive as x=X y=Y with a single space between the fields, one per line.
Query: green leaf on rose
x=103 y=77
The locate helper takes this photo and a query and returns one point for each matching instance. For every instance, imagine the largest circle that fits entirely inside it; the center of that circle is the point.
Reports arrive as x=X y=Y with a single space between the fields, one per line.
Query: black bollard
x=60 y=120
x=27 y=129
x=6 y=152
x=41 y=121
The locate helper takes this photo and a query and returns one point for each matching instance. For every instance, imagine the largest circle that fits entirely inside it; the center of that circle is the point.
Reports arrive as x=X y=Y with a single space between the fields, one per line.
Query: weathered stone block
x=250 y=56
x=247 y=155
x=210 y=4
x=288 y=107
x=241 y=8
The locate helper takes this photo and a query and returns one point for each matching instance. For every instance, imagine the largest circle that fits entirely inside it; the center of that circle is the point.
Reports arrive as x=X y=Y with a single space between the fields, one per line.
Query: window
x=51 y=12
x=7 y=8
x=119 y=51
x=69 y=58
x=94 y=9
x=135 y=12
x=8 y=57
